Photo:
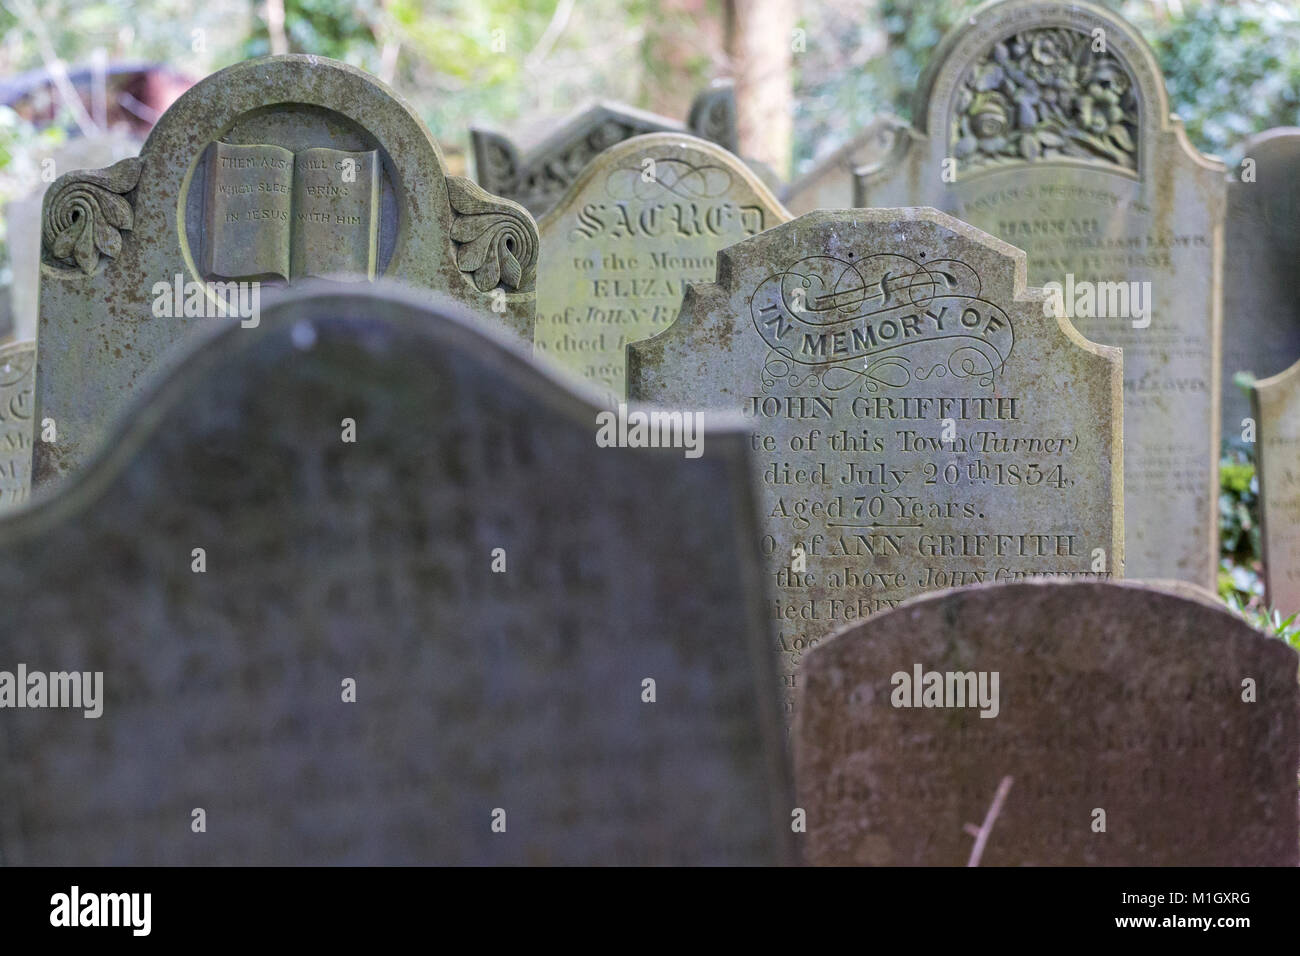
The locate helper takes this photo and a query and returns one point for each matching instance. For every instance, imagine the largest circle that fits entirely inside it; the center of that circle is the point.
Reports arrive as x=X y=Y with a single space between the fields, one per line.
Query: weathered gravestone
x=1277 y=410
x=1140 y=726
x=271 y=170
x=644 y=220
x=917 y=422
x=1261 y=279
x=546 y=670
x=17 y=365
x=829 y=184
x=1052 y=121
x=537 y=176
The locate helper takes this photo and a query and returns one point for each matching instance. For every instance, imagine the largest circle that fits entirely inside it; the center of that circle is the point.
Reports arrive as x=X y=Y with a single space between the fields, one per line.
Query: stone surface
x=111 y=236
x=23 y=217
x=1277 y=412
x=17 y=374
x=372 y=560
x=1261 y=280
x=1100 y=187
x=644 y=220
x=829 y=184
x=858 y=333
x=537 y=175
x=1111 y=696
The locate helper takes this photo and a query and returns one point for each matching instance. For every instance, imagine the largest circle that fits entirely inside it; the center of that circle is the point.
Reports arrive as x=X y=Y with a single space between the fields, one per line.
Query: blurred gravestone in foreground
x=519 y=689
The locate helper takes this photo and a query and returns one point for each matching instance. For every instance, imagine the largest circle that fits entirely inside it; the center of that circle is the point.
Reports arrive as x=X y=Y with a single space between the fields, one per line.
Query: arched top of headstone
x=267 y=173
x=536 y=175
x=684 y=167
x=411 y=220
x=1270 y=196
x=1021 y=81
x=1283 y=383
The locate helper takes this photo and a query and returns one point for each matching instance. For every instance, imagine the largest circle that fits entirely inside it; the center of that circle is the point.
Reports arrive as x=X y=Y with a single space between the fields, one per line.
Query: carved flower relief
x=1042 y=94
x=86 y=214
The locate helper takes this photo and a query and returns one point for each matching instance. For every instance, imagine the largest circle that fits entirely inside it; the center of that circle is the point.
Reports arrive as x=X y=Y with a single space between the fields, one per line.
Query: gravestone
x=644 y=220
x=274 y=169
x=917 y=422
x=500 y=621
x=1052 y=122
x=1277 y=410
x=17 y=367
x=829 y=184
x=23 y=216
x=1261 y=279
x=1140 y=726
x=537 y=175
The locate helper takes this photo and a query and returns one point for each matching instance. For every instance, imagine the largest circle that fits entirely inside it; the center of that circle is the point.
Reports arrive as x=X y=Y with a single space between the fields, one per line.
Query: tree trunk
x=760 y=36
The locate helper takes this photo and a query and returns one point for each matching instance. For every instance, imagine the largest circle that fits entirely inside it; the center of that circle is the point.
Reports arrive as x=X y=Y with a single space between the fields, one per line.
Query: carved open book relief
x=272 y=213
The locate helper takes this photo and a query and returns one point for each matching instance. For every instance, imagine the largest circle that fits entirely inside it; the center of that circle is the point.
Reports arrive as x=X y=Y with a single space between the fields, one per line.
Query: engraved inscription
x=273 y=214
x=908 y=427
x=622 y=253
x=17 y=384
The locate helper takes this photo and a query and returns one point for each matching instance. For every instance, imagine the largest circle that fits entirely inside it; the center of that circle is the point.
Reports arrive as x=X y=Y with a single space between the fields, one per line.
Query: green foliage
x=1239 y=542
x=1231 y=69
x=340 y=29
x=1270 y=621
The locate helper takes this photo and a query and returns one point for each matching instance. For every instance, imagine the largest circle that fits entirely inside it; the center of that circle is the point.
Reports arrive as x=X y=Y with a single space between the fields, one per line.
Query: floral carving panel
x=1046 y=94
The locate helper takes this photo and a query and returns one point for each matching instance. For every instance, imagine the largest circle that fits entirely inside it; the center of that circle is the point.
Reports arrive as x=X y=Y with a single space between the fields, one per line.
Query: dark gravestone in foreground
x=1113 y=696
x=325 y=560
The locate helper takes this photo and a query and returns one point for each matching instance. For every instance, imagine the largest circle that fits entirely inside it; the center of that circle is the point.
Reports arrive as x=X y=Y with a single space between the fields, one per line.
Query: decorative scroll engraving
x=833 y=323
x=681 y=178
x=495 y=240
x=1043 y=94
x=86 y=213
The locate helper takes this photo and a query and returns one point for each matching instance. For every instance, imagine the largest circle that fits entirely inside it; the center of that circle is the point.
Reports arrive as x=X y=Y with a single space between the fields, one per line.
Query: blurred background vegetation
x=809 y=73
x=1232 y=66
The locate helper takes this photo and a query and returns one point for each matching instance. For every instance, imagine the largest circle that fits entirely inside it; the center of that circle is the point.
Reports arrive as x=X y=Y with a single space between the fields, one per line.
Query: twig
x=982 y=834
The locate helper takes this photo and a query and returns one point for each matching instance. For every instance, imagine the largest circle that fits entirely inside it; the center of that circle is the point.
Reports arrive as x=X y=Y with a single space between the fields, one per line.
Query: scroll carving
x=495 y=240
x=86 y=213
